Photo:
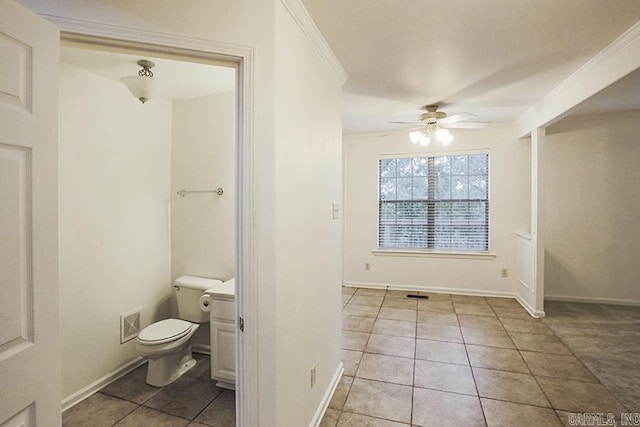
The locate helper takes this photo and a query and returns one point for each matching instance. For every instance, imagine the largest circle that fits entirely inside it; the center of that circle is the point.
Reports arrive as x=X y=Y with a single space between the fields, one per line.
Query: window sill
x=433 y=254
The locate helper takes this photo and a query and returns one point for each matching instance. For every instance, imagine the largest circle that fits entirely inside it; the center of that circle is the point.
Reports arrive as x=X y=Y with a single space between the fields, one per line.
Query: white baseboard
x=434 y=289
x=324 y=404
x=456 y=291
x=592 y=300
x=201 y=348
x=95 y=386
x=534 y=313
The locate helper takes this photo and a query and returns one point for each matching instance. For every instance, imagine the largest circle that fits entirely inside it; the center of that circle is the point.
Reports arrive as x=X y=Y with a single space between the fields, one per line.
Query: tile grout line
x=129 y=413
x=555 y=410
x=415 y=356
x=356 y=371
x=387 y=382
x=528 y=367
x=355 y=374
x=473 y=376
x=205 y=407
x=581 y=362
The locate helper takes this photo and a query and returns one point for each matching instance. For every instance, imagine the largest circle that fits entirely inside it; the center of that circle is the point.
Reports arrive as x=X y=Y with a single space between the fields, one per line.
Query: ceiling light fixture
x=143 y=85
x=431 y=131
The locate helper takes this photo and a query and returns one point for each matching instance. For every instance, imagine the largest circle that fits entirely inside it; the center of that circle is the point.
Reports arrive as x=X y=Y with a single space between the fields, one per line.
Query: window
x=434 y=203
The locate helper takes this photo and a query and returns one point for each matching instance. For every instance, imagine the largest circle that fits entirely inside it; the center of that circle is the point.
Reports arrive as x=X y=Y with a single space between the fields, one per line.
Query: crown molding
x=301 y=16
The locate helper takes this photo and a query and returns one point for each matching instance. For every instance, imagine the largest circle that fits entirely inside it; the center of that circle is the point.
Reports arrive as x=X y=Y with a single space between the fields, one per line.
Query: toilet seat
x=164 y=331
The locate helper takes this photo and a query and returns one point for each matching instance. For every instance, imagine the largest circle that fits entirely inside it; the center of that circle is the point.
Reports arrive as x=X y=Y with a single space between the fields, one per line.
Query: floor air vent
x=129 y=325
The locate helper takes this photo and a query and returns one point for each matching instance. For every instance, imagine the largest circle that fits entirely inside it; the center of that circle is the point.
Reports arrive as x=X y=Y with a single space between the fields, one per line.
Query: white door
x=29 y=332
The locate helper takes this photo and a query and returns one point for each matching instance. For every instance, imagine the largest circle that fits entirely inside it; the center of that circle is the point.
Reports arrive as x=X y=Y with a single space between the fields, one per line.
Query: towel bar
x=219 y=191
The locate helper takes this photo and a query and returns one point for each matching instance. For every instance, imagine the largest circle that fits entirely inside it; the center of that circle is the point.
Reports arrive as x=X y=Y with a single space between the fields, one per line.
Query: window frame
x=431 y=203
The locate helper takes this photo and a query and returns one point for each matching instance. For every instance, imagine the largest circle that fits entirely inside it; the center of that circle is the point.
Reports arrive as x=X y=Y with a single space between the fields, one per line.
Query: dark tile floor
x=606 y=338
x=193 y=400
x=457 y=360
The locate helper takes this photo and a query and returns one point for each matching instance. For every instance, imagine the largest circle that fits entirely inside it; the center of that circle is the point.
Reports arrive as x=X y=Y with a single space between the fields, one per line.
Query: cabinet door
x=223 y=345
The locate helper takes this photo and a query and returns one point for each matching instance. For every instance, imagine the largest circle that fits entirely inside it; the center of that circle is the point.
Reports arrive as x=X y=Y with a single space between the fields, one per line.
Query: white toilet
x=167 y=343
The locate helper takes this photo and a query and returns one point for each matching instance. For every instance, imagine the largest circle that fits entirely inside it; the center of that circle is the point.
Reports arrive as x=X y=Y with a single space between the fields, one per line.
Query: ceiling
x=491 y=58
x=176 y=79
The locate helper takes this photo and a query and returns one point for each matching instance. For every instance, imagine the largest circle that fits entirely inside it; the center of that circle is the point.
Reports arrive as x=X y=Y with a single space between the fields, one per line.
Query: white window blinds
x=439 y=203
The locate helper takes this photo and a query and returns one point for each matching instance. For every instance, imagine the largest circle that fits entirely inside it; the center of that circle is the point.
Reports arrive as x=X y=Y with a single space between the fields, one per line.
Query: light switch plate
x=336 y=210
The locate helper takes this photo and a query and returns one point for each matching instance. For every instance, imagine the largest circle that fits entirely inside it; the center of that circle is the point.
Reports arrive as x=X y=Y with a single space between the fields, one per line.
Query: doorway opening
x=214 y=247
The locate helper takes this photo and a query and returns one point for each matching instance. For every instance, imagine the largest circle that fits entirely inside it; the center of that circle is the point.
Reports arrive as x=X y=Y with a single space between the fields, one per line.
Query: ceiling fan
x=433 y=124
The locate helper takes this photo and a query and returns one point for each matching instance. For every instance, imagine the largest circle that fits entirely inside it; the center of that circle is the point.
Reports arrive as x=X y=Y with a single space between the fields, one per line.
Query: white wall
x=114 y=232
x=308 y=241
x=203 y=158
x=508 y=213
x=592 y=204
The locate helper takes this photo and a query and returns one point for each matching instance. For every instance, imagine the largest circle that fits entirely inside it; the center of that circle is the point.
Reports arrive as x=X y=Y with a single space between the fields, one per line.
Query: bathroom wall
x=509 y=180
x=592 y=183
x=203 y=158
x=114 y=232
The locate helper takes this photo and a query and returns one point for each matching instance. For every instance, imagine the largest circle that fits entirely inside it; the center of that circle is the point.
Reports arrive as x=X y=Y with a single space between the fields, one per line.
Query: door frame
x=103 y=35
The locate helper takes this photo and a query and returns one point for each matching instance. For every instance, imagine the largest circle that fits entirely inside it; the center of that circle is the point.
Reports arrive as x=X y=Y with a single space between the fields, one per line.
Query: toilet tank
x=188 y=290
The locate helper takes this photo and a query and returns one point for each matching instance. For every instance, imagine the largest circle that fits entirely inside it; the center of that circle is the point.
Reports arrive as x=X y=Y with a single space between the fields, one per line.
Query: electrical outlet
x=505 y=272
x=313 y=375
x=367 y=266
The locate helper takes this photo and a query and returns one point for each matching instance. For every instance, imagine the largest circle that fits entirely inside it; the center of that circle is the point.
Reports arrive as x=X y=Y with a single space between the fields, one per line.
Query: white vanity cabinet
x=223 y=334
x=223 y=343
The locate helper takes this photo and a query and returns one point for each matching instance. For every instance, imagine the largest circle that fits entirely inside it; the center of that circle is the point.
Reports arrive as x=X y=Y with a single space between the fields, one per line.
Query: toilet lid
x=164 y=331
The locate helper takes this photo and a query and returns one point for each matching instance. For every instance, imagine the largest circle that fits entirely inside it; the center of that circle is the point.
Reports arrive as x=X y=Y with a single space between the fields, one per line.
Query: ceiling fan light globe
x=441 y=134
x=446 y=139
x=415 y=136
x=424 y=140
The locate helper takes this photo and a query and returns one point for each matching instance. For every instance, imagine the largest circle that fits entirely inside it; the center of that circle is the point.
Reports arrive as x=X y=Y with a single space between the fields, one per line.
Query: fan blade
x=456 y=118
x=406 y=123
x=469 y=125
x=396 y=131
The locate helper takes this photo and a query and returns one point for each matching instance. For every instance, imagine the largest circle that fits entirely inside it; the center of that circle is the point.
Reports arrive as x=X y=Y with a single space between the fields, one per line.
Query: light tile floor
x=457 y=360
x=193 y=400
